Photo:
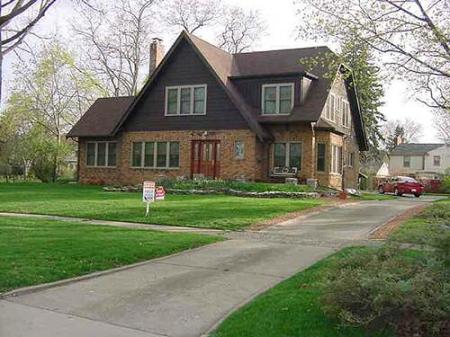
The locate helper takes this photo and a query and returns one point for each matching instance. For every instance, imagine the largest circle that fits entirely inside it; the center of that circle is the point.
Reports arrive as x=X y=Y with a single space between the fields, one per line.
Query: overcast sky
x=282 y=21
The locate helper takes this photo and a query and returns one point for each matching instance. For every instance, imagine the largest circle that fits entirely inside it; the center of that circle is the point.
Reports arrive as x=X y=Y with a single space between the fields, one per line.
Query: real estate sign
x=148 y=191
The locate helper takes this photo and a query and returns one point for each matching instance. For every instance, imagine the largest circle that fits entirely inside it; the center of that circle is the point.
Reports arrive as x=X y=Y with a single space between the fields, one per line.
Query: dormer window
x=277 y=99
x=186 y=100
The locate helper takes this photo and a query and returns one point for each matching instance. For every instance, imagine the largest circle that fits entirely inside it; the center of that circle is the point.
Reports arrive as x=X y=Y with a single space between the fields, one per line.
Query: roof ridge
x=282 y=49
x=208 y=43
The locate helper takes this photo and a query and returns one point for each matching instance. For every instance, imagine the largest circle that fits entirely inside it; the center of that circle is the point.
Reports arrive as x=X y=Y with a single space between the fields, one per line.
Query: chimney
x=156 y=54
x=398 y=140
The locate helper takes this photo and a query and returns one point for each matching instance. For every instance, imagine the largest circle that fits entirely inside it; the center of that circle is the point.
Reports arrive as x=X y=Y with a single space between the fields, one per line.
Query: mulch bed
x=383 y=232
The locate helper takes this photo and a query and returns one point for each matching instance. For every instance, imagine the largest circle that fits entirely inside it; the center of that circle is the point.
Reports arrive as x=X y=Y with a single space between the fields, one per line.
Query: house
x=207 y=113
x=420 y=160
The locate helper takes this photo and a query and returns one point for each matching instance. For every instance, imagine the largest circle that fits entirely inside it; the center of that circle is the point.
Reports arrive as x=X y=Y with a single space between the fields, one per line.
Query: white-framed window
x=157 y=155
x=287 y=155
x=436 y=160
x=101 y=154
x=186 y=100
x=336 y=159
x=330 y=112
x=277 y=99
x=346 y=117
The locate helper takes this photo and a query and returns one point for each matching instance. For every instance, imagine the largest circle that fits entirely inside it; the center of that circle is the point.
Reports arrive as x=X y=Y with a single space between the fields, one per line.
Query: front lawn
x=37 y=251
x=432 y=224
x=374 y=196
x=208 y=211
x=291 y=309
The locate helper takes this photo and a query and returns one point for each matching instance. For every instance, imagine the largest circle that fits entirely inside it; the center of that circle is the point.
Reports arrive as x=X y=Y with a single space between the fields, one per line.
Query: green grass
x=211 y=211
x=220 y=185
x=291 y=309
x=427 y=227
x=35 y=251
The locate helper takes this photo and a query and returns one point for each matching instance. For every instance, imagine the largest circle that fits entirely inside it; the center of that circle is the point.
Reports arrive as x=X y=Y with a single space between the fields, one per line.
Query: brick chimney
x=156 y=54
x=398 y=140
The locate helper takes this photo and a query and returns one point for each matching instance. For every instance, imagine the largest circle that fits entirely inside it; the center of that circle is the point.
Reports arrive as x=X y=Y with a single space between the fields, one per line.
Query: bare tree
x=411 y=36
x=115 y=40
x=442 y=125
x=401 y=131
x=192 y=15
x=17 y=18
x=241 y=30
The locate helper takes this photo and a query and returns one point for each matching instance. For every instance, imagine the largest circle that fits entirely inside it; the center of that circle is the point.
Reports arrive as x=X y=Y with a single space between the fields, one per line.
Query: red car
x=401 y=185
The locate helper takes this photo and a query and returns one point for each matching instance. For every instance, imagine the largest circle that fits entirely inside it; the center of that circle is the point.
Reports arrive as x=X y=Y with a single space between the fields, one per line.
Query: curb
x=60 y=283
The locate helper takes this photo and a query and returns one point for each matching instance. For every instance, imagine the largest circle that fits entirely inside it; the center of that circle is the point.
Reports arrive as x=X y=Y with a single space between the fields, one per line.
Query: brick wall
x=251 y=168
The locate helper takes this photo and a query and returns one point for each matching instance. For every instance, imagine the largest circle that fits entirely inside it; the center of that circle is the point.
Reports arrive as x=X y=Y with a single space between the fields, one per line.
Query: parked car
x=401 y=185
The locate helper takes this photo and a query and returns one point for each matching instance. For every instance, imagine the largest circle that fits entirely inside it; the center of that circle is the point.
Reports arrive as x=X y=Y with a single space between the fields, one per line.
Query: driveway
x=189 y=293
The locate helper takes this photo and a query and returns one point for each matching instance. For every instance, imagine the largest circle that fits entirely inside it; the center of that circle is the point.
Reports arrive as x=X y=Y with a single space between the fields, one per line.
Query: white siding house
x=419 y=159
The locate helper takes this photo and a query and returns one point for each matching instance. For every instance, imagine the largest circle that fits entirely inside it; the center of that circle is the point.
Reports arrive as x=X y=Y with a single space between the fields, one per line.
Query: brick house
x=204 y=112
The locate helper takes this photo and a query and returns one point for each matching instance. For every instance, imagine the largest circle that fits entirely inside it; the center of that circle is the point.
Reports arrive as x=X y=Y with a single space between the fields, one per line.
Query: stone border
x=225 y=191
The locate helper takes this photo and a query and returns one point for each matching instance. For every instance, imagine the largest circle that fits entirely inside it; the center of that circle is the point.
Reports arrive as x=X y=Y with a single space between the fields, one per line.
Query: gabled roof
x=414 y=149
x=228 y=69
x=102 y=117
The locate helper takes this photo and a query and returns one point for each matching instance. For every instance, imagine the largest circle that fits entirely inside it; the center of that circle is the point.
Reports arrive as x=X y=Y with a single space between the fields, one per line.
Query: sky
x=281 y=19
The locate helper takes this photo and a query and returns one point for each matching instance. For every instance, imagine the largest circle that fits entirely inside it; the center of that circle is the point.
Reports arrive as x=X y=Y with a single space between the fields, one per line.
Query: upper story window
x=101 y=154
x=277 y=98
x=346 y=117
x=186 y=100
x=436 y=160
x=330 y=109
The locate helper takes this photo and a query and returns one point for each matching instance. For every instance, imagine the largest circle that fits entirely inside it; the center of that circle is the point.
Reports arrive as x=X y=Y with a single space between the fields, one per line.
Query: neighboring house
x=419 y=160
x=205 y=112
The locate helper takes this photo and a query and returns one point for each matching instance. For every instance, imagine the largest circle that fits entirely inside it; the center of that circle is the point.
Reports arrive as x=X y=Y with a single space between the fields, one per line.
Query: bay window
x=287 y=155
x=321 y=155
x=336 y=159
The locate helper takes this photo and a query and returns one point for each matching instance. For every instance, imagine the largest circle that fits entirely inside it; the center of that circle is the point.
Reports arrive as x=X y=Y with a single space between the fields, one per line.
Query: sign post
x=148 y=194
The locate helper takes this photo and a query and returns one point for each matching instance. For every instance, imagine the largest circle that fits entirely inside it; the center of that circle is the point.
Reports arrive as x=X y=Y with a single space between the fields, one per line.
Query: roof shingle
x=414 y=149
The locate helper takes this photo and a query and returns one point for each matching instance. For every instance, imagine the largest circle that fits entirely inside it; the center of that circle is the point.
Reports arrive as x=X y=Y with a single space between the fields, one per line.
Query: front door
x=205 y=158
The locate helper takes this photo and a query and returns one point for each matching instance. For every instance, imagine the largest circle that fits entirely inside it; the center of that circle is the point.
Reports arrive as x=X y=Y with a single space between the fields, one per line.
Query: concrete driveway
x=189 y=293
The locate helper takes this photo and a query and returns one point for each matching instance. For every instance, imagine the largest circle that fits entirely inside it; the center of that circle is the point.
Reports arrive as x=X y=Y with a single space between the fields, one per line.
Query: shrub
x=390 y=288
x=445 y=185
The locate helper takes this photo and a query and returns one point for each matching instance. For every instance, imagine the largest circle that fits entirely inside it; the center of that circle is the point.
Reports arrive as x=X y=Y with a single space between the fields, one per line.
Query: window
x=331 y=108
x=346 y=114
x=239 y=150
x=101 y=154
x=90 y=156
x=321 y=153
x=287 y=155
x=351 y=159
x=336 y=159
x=436 y=160
x=406 y=161
x=137 y=154
x=186 y=100
x=161 y=155
x=174 y=154
x=277 y=98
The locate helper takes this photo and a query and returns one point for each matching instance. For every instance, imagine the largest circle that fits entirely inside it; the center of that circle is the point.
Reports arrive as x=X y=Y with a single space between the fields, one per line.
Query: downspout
x=314 y=152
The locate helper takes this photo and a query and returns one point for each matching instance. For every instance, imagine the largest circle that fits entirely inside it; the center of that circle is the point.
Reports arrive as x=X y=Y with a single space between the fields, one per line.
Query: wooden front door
x=205 y=158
